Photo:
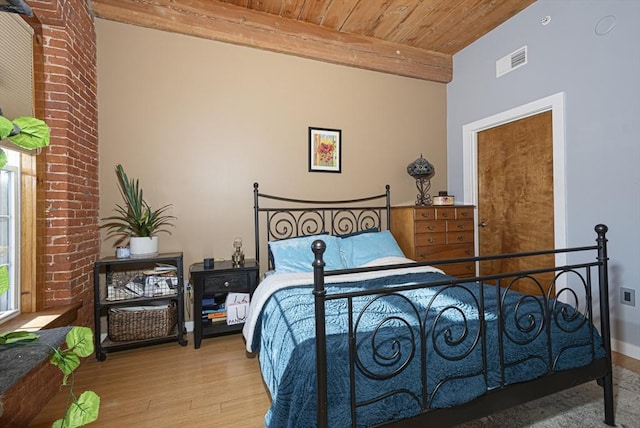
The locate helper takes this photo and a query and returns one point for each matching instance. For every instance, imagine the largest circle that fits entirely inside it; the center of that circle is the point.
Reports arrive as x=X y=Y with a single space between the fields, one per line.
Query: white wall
x=600 y=76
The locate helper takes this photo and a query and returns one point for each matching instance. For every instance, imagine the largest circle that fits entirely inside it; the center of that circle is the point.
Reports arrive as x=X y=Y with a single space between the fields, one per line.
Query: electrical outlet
x=627 y=296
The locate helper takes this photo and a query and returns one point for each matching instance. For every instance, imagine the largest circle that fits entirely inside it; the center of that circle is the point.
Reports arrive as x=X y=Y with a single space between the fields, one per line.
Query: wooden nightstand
x=215 y=284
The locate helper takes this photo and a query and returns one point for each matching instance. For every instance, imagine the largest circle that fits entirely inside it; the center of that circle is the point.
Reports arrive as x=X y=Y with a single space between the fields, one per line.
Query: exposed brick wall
x=65 y=82
x=66 y=92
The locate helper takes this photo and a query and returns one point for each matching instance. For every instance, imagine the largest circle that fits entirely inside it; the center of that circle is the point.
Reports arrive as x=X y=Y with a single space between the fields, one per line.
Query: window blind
x=16 y=68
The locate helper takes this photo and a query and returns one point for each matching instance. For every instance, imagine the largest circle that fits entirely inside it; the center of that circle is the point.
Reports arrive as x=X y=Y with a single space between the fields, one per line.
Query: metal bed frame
x=312 y=217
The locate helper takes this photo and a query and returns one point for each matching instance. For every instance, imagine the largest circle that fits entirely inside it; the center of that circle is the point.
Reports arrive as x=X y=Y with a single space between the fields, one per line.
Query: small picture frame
x=325 y=150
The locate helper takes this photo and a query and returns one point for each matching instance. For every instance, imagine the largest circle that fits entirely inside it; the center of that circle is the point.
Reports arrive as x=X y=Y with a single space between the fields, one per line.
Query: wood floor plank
x=172 y=385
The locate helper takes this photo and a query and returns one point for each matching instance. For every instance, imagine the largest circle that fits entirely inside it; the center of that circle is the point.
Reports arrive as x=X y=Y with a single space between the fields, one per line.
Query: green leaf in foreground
x=81 y=412
x=80 y=341
x=34 y=133
x=16 y=336
x=4 y=272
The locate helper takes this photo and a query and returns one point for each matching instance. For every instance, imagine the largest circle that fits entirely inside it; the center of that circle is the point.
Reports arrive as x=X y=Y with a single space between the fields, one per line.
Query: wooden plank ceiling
x=413 y=38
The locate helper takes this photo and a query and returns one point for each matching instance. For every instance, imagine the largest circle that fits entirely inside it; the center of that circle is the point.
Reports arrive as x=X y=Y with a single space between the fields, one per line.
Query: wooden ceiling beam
x=227 y=23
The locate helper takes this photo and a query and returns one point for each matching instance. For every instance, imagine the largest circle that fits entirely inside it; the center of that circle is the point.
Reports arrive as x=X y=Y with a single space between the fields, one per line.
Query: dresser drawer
x=459 y=269
x=455 y=237
x=424 y=214
x=225 y=283
x=448 y=213
x=443 y=252
x=464 y=213
x=430 y=226
x=431 y=239
x=459 y=225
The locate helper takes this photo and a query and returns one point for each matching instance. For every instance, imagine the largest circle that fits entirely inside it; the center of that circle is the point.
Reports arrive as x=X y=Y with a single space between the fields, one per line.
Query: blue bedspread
x=454 y=343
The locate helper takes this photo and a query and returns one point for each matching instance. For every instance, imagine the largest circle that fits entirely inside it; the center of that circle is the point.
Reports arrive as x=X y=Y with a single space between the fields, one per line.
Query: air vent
x=512 y=61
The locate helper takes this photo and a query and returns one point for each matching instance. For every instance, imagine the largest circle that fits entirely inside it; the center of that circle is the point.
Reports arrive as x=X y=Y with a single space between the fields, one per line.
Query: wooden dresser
x=436 y=233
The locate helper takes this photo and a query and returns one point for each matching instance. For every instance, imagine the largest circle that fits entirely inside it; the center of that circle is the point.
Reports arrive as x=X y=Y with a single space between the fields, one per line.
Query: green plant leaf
x=66 y=361
x=3 y=158
x=34 y=133
x=17 y=336
x=6 y=126
x=4 y=279
x=81 y=412
x=135 y=218
x=80 y=341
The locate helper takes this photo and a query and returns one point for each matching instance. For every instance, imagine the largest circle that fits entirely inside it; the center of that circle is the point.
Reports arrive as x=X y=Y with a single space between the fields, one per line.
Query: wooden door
x=515 y=196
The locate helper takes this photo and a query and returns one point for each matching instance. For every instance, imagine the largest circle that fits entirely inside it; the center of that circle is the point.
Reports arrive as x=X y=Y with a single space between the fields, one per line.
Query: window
x=10 y=233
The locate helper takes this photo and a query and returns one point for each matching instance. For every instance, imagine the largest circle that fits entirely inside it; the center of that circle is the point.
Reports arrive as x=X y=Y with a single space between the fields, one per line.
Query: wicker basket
x=142 y=324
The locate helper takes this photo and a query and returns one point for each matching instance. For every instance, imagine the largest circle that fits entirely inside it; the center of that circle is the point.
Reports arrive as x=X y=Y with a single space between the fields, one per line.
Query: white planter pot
x=143 y=246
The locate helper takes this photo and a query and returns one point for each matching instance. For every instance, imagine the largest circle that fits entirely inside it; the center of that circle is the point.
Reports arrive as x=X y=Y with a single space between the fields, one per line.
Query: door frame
x=470 y=131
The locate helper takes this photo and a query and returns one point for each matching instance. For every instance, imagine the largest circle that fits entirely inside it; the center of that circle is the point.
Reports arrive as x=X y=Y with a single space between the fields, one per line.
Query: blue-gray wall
x=600 y=76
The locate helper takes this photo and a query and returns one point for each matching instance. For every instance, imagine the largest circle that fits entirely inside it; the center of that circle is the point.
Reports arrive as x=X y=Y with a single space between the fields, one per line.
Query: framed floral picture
x=325 y=150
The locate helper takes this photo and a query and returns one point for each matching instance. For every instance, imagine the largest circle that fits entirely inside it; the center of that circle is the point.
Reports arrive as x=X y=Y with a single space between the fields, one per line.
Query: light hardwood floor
x=170 y=385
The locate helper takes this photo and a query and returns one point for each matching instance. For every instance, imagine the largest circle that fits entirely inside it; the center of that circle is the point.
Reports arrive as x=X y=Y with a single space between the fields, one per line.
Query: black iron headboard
x=289 y=217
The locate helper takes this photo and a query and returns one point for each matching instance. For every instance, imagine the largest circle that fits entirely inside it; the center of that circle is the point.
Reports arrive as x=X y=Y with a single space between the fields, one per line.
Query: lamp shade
x=421 y=168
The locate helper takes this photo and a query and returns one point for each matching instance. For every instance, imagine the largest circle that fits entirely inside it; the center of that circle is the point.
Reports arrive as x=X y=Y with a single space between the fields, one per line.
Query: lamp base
x=423 y=197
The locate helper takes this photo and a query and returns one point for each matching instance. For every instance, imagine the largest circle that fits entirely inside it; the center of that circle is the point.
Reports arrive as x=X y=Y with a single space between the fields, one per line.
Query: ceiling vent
x=512 y=61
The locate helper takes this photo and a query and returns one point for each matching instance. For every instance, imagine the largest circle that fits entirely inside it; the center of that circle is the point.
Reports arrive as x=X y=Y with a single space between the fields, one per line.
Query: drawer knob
x=470 y=267
x=460 y=225
x=226 y=283
x=445 y=214
x=432 y=240
x=424 y=215
x=431 y=227
x=424 y=255
x=460 y=238
x=468 y=252
x=465 y=214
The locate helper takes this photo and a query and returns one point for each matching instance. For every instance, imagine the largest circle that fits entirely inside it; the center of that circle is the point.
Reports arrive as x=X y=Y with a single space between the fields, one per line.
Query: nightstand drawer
x=226 y=283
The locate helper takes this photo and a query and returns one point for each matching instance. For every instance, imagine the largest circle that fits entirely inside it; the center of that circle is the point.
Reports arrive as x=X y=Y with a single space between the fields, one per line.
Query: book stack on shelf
x=213 y=311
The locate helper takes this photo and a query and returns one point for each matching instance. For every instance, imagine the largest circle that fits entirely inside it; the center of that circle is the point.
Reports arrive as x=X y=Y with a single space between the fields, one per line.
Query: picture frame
x=325 y=150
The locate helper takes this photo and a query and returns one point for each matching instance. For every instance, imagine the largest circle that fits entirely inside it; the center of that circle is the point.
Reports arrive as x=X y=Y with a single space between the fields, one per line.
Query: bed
x=349 y=332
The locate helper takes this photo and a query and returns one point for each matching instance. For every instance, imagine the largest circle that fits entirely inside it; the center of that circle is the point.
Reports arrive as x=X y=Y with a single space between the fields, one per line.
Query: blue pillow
x=358 y=232
x=295 y=255
x=272 y=262
x=364 y=248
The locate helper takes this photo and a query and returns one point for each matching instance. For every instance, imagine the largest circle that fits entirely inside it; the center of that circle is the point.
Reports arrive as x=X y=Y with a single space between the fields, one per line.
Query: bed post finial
x=318 y=247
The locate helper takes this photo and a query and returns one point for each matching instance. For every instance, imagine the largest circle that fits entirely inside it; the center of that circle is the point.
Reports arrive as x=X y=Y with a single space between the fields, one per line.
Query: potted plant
x=135 y=219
